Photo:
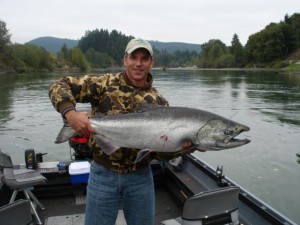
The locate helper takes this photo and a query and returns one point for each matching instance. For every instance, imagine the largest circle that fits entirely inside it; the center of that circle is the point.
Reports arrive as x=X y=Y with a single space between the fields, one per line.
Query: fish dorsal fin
x=106 y=145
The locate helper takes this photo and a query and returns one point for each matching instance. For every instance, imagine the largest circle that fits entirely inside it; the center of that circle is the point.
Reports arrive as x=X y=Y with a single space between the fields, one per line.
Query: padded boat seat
x=23 y=178
x=21 y=181
x=16 y=213
x=219 y=206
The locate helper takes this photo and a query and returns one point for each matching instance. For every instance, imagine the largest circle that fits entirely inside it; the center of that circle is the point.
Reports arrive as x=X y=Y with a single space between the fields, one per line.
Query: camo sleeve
x=66 y=92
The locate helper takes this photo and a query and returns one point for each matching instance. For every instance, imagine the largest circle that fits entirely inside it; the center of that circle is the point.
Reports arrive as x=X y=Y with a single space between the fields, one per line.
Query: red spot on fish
x=164 y=138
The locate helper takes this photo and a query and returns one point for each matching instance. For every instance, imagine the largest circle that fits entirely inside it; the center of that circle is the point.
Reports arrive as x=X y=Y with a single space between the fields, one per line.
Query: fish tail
x=65 y=134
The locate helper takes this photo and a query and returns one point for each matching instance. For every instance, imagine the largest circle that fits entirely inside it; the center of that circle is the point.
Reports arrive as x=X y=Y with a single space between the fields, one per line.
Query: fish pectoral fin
x=192 y=148
x=106 y=145
x=142 y=154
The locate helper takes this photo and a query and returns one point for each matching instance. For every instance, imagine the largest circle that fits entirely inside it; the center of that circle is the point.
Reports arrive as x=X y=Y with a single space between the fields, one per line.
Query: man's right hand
x=79 y=121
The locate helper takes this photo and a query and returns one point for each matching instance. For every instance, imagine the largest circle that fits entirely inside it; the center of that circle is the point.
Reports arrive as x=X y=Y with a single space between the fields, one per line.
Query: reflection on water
x=267 y=102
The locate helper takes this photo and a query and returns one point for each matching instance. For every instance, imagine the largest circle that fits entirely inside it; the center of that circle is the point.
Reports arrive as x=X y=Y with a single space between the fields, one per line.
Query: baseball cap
x=138 y=43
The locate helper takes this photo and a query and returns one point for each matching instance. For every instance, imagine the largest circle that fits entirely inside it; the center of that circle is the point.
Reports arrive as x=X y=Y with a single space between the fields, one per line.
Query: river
x=268 y=102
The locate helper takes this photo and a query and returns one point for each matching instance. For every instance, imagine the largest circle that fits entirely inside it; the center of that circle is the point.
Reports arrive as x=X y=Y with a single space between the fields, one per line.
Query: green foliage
x=162 y=58
x=176 y=59
x=266 y=46
x=78 y=59
x=279 y=64
x=293 y=66
x=104 y=49
x=275 y=42
x=292 y=31
x=215 y=54
x=237 y=52
x=111 y=43
x=98 y=60
x=28 y=57
x=4 y=36
x=64 y=54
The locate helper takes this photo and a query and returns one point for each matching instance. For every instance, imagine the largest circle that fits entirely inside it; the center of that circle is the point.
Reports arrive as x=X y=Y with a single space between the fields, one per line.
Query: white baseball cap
x=138 y=43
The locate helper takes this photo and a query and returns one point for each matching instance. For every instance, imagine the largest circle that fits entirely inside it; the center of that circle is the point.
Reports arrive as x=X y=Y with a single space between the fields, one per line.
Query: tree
x=63 y=57
x=162 y=58
x=215 y=54
x=79 y=60
x=98 y=60
x=4 y=36
x=64 y=52
x=292 y=31
x=237 y=51
x=267 y=45
x=28 y=57
x=276 y=42
x=111 y=43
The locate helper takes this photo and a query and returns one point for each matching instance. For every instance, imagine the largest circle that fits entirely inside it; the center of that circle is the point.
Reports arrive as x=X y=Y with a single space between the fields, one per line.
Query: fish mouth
x=232 y=142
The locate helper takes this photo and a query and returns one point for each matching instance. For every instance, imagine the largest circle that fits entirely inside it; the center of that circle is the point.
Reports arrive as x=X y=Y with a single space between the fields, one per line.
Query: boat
x=188 y=191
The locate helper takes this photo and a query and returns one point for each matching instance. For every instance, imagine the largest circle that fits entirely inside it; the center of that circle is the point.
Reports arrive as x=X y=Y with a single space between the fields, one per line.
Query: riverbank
x=212 y=69
x=295 y=69
x=284 y=70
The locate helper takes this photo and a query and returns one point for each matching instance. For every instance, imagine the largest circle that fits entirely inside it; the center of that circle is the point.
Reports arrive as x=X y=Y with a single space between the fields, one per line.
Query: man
x=115 y=178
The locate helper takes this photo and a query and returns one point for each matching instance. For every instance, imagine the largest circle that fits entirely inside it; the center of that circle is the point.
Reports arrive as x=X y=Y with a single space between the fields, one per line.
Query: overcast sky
x=190 y=21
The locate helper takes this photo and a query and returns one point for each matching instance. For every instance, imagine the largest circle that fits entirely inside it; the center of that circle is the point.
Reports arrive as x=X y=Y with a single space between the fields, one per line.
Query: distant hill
x=53 y=44
x=174 y=46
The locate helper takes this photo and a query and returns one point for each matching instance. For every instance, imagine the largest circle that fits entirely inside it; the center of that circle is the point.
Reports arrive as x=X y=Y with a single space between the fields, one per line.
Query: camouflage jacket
x=110 y=93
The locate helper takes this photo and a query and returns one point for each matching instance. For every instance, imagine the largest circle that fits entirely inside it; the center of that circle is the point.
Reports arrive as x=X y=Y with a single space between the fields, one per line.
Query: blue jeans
x=108 y=190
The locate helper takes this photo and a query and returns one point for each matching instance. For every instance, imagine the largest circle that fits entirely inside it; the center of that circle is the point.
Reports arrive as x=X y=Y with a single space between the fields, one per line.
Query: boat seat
x=16 y=213
x=218 y=206
x=21 y=181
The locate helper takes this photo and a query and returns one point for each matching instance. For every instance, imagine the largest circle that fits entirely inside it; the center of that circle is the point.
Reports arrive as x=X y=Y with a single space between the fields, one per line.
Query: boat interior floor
x=69 y=210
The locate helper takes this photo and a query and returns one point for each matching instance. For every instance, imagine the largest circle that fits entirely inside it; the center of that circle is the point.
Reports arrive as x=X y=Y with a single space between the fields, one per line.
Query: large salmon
x=162 y=129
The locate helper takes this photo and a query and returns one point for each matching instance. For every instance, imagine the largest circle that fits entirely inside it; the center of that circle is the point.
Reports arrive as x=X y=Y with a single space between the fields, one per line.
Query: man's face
x=138 y=64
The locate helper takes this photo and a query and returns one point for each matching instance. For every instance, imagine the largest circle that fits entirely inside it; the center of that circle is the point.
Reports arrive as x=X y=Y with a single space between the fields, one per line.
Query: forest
x=276 y=46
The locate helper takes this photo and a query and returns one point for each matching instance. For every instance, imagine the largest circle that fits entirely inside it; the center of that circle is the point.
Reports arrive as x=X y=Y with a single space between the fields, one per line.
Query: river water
x=268 y=102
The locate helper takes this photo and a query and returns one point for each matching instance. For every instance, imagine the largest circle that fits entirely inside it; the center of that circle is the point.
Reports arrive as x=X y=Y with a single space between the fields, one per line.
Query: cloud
x=190 y=21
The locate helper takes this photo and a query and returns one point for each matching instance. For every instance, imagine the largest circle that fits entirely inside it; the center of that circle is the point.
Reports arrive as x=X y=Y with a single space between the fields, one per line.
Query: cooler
x=79 y=172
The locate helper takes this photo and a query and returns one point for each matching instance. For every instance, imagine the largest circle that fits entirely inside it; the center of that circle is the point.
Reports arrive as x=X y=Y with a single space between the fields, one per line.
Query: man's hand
x=79 y=121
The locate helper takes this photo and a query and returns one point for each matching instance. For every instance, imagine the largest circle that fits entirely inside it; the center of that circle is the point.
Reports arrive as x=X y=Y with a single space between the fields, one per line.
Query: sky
x=189 y=21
